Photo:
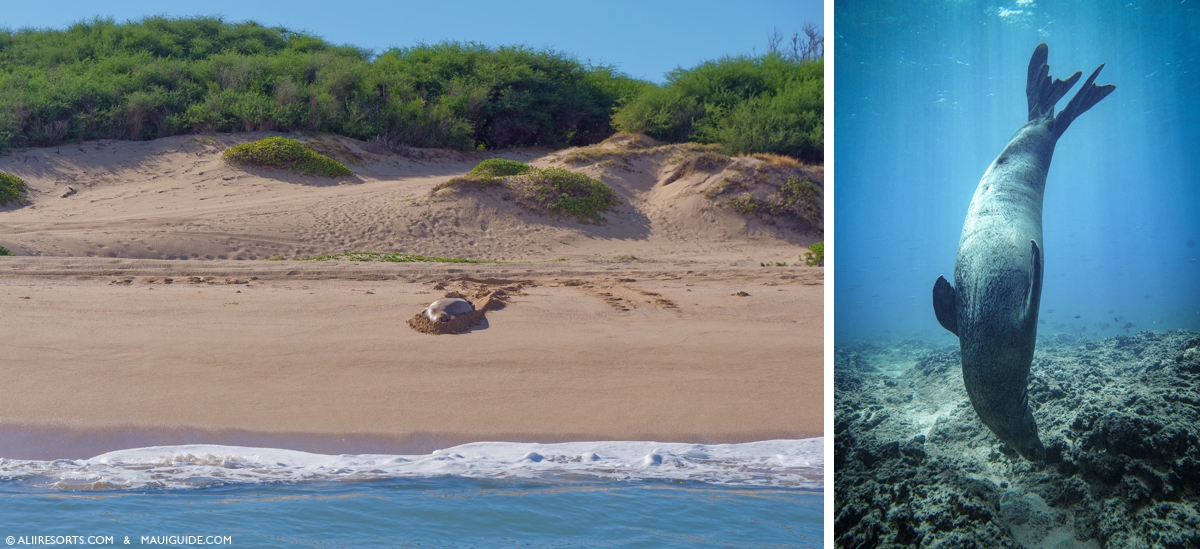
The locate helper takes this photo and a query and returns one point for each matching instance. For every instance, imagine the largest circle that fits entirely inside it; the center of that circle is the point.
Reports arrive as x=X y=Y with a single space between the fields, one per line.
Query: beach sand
x=636 y=335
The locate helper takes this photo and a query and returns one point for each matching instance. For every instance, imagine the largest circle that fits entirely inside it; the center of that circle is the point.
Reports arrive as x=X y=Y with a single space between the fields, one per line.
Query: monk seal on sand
x=443 y=309
x=993 y=305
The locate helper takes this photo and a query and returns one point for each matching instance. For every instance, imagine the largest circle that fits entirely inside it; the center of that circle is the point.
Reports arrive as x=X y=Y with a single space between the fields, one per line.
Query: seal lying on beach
x=993 y=305
x=444 y=309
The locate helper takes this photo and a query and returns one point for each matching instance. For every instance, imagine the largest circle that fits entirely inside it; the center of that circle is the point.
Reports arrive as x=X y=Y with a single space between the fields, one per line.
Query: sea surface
x=580 y=494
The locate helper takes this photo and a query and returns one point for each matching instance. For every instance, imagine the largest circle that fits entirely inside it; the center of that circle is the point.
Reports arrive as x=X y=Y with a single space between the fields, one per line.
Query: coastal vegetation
x=499 y=167
x=800 y=196
x=12 y=188
x=555 y=191
x=766 y=104
x=286 y=154
x=815 y=256
x=4 y=251
x=745 y=204
x=568 y=193
x=164 y=76
x=771 y=190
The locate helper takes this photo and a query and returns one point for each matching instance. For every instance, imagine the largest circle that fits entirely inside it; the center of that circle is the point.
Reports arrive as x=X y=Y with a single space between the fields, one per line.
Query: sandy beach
x=632 y=330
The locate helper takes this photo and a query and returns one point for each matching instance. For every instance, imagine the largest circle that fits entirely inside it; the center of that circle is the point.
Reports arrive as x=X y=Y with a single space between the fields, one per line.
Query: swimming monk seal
x=993 y=305
x=443 y=309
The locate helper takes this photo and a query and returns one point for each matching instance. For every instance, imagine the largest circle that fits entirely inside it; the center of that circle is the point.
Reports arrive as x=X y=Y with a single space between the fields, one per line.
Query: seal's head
x=1028 y=444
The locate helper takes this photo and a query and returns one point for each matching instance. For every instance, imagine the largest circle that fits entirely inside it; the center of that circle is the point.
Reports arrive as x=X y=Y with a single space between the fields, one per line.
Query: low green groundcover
x=816 y=255
x=568 y=193
x=286 y=154
x=561 y=192
x=500 y=167
x=11 y=188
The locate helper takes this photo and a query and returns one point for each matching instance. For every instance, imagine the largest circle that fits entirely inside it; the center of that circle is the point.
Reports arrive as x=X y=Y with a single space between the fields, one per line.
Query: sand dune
x=175 y=198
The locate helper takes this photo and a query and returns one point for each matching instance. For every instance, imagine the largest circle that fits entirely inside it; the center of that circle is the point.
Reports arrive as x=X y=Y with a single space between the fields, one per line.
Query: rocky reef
x=914 y=465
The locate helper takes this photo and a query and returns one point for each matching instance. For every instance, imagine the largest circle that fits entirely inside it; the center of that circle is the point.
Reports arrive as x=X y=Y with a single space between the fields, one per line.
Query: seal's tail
x=1040 y=90
x=1043 y=93
x=1088 y=95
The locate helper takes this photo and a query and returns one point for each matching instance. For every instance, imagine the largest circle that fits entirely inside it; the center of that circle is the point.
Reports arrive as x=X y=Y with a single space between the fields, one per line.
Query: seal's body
x=443 y=309
x=993 y=305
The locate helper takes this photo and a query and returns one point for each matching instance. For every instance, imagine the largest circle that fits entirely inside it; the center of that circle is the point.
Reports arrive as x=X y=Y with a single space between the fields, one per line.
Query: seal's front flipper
x=1084 y=99
x=1034 y=300
x=944 y=305
x=1039 y=90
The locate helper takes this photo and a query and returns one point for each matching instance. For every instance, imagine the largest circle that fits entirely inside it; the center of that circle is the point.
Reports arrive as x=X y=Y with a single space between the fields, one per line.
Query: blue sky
x=644 y=38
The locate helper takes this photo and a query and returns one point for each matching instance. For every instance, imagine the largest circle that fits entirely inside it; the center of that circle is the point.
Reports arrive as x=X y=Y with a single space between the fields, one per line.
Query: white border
x=829 y=270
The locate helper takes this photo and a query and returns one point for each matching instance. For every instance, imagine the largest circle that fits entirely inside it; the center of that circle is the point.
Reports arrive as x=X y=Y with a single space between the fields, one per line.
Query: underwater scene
x=1017 y=293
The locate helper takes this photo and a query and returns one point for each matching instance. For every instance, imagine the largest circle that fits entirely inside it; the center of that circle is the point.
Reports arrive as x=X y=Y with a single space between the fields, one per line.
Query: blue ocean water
x=444 y=512
x=927 y=95
x=605 y=494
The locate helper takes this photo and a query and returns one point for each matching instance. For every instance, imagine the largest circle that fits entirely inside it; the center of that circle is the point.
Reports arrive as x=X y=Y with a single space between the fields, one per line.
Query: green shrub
x=745 y=204
x=798 y=195
x=4 y=251
x=555 y=190
x=791 y=122
x=565 y=192
x=162 y=76
x=12 y=188
x=816 y=255
x=765 y=104
x=489 y=172
x=287 y=154
x=500 y=167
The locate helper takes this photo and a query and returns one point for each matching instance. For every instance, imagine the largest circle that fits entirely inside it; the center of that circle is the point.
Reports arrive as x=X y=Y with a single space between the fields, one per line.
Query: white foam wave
x=776 y=463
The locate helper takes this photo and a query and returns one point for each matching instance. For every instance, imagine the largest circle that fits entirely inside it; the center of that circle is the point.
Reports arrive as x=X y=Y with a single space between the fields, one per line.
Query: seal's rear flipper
x=1084 y=99
x=944 y=305
x=1039 y=90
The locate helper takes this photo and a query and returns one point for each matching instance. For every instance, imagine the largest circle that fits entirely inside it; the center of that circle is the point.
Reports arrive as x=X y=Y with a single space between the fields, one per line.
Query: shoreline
x=47 y=442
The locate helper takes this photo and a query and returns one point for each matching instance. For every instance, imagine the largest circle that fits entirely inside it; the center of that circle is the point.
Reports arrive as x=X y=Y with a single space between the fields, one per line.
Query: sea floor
x=1119 y=417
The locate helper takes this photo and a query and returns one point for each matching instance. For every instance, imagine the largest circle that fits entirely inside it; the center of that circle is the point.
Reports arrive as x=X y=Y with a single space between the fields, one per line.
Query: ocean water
x=927 y=95
x=583 y=494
